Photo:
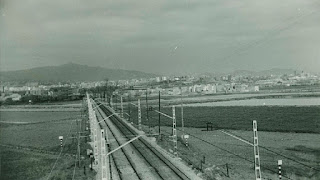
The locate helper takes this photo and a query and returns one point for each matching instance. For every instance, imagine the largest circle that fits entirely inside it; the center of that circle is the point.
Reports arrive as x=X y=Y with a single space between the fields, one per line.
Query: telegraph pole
x=111 y=101
x=104 y=173
x=116 y=104
x=79 y=142
x=139 y=115
x=95 y=124
x=159 y=115
x=129 y=108
x=174 y=132
x=147 y=108
x=182 y=121
x=121 y=114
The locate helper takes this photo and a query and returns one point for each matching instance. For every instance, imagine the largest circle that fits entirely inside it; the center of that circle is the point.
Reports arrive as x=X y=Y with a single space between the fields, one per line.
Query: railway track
x=123 y=164
x=160 y=165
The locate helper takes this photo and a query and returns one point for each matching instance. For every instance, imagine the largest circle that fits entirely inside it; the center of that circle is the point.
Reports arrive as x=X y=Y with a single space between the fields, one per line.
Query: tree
x=8 y=101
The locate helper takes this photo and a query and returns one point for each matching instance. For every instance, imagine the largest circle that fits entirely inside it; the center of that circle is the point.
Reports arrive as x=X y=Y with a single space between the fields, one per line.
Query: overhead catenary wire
x=248 y=143
x=225 y=150
x=268 y=149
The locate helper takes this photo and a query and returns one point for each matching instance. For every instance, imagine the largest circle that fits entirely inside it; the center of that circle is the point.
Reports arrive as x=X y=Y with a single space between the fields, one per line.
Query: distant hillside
x=71 y=72
x=274 y=71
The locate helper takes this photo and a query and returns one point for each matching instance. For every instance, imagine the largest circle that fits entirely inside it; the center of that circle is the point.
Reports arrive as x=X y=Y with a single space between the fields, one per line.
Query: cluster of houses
x=198 y=89
x=16 y=93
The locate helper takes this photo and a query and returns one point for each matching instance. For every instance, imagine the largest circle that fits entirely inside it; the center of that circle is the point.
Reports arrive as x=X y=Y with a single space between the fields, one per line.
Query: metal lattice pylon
x=257 y=168
x=139 y=115
x=174 y=131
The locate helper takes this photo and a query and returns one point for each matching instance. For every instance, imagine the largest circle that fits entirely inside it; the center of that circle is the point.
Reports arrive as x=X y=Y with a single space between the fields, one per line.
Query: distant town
x=35 y=92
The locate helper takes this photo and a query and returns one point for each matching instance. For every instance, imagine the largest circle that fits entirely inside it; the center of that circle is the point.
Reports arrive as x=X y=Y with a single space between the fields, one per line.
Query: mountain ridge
x=71 y=72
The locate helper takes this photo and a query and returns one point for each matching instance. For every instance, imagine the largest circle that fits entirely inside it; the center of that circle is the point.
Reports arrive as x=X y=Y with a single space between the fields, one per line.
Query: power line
x=218 y=147
x=55 y=163
x=241 y=156
x=264 y=147
x=74 y=169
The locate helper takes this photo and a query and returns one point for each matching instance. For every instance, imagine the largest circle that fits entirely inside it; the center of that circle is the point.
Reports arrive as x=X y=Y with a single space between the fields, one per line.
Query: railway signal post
x=279 y=167
x=61 y=139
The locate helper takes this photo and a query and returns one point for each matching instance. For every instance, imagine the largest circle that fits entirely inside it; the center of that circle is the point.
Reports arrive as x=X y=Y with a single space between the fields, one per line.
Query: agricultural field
x=305 y=119
x=315 y=101
x=29 y=144
x=50 y=107
x=209 y=98
x=299 y=152
x=288 y=133
x=35 y=117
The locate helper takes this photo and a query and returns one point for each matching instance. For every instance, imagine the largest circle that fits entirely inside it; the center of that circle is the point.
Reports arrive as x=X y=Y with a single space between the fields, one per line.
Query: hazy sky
x=161 y=36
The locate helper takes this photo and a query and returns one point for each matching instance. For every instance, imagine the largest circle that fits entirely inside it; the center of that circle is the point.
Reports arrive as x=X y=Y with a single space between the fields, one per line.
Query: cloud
x=211 y=35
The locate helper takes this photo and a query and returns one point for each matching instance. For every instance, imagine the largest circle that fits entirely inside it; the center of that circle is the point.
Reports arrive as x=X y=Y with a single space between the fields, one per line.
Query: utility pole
x=256 y=151
x=129 y=112
x=147 y=108
x=159 y=116
x=79 y=142
x=116 y=103
x=174 y=131
x=139 y=115
x=121 y=114
x=182 y=121
x=227 y=166
x=95 y=124
x=104 y=173
x=111 y=101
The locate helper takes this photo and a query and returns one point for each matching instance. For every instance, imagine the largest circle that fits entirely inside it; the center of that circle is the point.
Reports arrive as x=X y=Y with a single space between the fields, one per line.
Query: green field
x=270 y=118
x=39 y=135
x=28 y=151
